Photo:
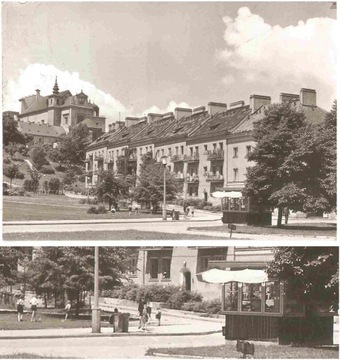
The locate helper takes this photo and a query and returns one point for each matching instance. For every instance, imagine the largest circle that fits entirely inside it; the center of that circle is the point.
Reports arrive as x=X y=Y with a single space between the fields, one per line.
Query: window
x=43 y=121
x=176 y=150
x=214 y=146
x=221 y=145
x=205 y=148
x=272 y=297
x=169 y=151
x=205 y=169
x=182 y=150
x=191 y=149
x=235 y=174
x=235 y=151
x=157 y=153
x=141 y=151
x=133 y=266
x=196 y=149
x=154 y=268
x=248 y=150
x=231 y=296
x=251 y=297
x=166 y=262
x=162 y=152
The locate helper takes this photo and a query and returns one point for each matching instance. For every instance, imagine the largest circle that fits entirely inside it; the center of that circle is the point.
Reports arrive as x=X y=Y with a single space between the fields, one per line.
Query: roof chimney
x=167 y=115
x=37 y=91
x=182 y=112
x=198 y=110
x=236 y=104
x=284 y=97
x=256 y=101
x=131 y=121
x=308 y=97
x=118 y=124
x=153 y=117
x=214 y=108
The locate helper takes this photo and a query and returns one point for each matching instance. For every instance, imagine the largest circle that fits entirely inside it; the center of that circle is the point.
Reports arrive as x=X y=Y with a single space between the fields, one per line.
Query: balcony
x=176 y=158
x=109 y=160
x=214 y=177
x=179 y=177
x=133 y=157
x=192 y=179
x=192 y=158
x=99 y=157
x=215 y=154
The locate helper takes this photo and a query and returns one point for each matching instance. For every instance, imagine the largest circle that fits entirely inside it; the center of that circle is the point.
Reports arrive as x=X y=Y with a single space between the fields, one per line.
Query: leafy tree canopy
x=11 y=134
x=150 y=188
x=311 y=273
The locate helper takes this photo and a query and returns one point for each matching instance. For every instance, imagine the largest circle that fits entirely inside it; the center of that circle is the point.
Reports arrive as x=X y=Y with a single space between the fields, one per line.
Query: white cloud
x=171 y=107
x=289 y=57
x=40 y=76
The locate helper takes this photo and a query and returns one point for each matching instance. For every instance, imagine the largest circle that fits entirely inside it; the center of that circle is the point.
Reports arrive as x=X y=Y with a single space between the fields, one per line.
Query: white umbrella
x=217 y=276
x=227 y=194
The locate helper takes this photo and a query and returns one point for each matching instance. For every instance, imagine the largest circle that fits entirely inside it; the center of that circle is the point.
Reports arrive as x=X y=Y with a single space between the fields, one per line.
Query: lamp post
x=164 y=162
x=96 y=308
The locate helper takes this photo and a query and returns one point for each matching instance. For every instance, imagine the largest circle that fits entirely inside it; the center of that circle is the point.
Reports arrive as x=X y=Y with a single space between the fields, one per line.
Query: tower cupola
x=56 y=87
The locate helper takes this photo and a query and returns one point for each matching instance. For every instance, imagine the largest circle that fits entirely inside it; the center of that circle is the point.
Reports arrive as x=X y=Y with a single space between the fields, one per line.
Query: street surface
x=129 y=347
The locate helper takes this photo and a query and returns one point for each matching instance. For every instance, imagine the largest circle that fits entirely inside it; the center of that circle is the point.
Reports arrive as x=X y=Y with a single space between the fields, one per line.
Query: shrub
x=38 y=156
x=6 y=160
x=89 y=201
x=177 y=299
x=16 y=192
x=47 y=169
x=20 y=175
x=60 y=168
x=82 y=201
x=101 y=209
x=54 y=185
x=92 y=210
x=208 y=306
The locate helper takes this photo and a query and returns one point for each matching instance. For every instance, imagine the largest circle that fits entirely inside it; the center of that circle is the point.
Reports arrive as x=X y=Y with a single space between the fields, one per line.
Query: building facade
x=206 y=148
x=180 y=265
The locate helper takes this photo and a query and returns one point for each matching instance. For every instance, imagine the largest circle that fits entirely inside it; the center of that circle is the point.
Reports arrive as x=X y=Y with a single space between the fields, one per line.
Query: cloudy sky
x=135 y=58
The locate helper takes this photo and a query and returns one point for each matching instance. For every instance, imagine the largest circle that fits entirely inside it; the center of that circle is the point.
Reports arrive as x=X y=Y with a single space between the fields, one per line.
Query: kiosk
x=257 y=308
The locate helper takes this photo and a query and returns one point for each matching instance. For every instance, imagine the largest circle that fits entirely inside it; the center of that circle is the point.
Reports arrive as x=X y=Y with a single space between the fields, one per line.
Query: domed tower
x=56 y=87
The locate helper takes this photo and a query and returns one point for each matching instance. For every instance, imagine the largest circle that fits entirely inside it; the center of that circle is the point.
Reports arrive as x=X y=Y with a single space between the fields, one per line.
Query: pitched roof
x=41 y=129
x=34 y=103
x=314 y=114
x=223 y=122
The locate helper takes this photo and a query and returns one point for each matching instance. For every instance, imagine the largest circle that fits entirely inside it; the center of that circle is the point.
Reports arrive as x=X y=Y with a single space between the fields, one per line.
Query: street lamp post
x=164 y=162
x=96 y=309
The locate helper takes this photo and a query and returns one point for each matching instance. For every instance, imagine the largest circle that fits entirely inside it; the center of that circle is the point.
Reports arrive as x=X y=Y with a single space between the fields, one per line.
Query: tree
x=54 y=185
x=287 y=169
x=111 y=187
x=11 y=171
x=9 y=258
x=311 y=274
x=11 y=134
x=38 y=156
x=72 y=147
x=33 y=184
x=124 y=164
x=150 y=188
x=71 y=269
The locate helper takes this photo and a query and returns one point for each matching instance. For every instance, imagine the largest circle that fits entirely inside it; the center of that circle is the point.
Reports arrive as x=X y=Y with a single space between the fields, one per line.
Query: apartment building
x=206 y=148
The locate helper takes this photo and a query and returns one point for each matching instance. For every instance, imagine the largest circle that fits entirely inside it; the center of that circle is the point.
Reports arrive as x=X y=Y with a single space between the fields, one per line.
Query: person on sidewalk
x=67 y=310
x=34 y=308
x=144 y=317
x=158 y=316
x=20 y=308
x=149 y=310
x=140 y=311
x=130 y=209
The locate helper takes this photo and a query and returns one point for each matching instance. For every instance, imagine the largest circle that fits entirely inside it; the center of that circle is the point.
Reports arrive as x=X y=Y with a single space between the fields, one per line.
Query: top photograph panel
x=169 y=121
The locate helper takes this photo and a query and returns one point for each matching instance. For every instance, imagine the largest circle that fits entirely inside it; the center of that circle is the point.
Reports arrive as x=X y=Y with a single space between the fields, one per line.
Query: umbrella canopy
x=217 y=276
x=227 y=194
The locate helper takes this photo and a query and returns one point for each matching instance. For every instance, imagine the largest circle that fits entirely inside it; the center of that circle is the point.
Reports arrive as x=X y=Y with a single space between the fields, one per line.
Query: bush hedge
x=47 y=169
x=97 y=210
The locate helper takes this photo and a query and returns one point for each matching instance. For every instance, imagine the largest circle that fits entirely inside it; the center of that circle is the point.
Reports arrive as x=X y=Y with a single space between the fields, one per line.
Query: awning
x=217 y=276
x=227 y=194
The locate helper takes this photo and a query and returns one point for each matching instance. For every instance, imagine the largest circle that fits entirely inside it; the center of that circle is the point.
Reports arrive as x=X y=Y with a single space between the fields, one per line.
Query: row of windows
x=160 y=266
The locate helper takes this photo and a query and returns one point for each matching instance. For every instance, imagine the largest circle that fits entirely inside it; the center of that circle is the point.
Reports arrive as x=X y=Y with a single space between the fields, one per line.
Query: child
x=67 y=310
x=158 y=316
x=20 y=308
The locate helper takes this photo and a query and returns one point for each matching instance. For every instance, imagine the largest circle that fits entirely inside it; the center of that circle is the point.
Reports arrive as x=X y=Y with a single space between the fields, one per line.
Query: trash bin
x=176 y=215
x=121 y=322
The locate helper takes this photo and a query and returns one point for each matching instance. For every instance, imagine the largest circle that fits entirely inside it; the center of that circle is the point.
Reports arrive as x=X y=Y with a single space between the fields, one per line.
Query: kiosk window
x=251 y=297
x=272 y=297
x=231 y=296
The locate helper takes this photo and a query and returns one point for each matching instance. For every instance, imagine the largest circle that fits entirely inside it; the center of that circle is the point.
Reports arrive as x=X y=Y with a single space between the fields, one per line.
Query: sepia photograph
x=169 y=120
x=181 y=302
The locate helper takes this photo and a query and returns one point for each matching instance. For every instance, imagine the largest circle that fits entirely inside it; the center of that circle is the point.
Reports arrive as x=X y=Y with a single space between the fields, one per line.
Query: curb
x=182 y=356
x=90 y=335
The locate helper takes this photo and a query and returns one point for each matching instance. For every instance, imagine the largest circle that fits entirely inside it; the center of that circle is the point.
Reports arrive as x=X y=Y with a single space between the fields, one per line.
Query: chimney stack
x=153 y=117
x=236 y=104
x=284 y=97
x=198 y=110
x=167 y=115
x=37 y=93
x=308 y=97
x=129 y=120
x=118 y=124
x=256 y=101
x=214 y=108
x=182 y=112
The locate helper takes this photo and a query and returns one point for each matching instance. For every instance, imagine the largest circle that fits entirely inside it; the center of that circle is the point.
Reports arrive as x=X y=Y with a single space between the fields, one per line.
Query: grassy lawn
x=105 y=235
x=9 y=321
x=57 y=207
x=270 y=351
x=307 y=229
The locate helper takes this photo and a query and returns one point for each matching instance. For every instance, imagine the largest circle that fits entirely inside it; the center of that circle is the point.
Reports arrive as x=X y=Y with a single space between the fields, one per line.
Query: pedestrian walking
x=34 y=308
x=144 y=318
x=187 y=211
x=67 y=310
x=286 y=214
x=130 y=209
x=159 y=315
x=140 y=311
x=149 y=309
x=20 y=308
x=192 y=211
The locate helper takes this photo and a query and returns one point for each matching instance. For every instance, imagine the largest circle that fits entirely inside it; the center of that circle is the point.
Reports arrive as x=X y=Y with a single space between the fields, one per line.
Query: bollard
x=231 y=227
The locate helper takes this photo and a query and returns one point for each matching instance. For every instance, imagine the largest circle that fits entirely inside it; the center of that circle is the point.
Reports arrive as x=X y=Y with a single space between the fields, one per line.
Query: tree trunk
x=45 y=301
x=279 y=216
x=77 y=306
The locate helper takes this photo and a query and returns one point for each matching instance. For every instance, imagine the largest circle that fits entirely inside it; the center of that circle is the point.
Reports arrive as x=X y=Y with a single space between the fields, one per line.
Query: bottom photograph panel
x=184 y=301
